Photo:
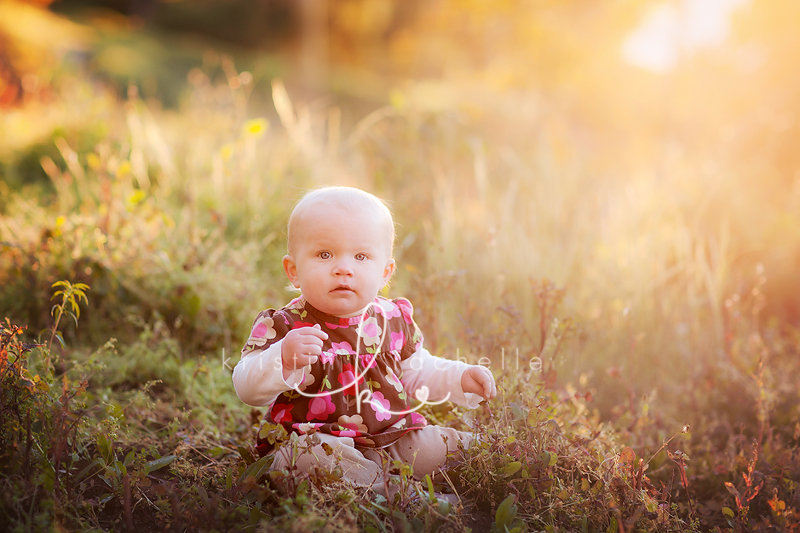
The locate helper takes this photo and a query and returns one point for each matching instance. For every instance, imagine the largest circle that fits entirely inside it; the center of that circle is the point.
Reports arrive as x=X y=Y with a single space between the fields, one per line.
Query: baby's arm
x=259 y=377
x=301 y=347
x=479 y=380
x=466 y=384
x=275 y=358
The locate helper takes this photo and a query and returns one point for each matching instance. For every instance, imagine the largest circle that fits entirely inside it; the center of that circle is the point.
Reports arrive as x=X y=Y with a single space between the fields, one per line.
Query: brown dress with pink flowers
x=355 y=388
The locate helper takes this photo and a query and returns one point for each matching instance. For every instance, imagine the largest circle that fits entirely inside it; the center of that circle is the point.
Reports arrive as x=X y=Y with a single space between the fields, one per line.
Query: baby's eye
x=361 y=257
x=324 y=254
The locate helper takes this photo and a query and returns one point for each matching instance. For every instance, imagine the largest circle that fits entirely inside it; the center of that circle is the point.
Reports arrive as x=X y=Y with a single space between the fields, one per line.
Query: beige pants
x=424 y=449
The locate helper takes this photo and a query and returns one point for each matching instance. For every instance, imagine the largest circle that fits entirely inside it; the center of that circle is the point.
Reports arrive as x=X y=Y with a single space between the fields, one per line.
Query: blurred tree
x=11 y=90
x=10 y=82
x=32 y=43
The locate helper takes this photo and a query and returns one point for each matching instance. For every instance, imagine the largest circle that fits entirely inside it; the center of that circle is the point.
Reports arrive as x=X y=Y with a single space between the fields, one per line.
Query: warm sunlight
x=671 y=29
x=589 y=319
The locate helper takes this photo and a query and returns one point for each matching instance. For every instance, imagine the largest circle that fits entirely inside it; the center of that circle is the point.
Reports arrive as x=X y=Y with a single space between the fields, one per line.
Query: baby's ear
x=388 y=270
x=290 y=267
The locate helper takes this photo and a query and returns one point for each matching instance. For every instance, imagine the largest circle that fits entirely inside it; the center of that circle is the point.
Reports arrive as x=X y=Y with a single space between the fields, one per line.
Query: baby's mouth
x=343 y=288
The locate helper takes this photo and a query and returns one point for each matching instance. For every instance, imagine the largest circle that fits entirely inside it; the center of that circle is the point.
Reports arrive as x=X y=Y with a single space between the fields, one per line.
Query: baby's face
x=339 y=259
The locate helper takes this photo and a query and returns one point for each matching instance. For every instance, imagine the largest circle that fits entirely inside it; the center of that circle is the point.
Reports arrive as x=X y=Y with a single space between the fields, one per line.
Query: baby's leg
x=426 y=449
x=356 y=468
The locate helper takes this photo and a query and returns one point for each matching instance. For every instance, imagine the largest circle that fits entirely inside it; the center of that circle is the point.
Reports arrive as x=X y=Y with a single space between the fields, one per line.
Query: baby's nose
x=343 y=268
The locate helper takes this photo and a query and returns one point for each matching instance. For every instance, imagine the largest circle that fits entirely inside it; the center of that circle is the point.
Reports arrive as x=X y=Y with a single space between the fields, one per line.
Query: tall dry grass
x=182 y=212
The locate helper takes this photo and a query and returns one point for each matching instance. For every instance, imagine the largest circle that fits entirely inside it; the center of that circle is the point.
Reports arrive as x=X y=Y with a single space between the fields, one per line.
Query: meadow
x=631 y=290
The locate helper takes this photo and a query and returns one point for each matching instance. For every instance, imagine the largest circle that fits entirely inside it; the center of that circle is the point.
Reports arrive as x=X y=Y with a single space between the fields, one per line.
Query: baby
x=342 y=362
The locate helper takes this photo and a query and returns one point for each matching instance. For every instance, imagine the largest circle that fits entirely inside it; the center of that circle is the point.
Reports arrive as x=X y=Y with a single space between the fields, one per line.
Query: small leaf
x=156 y=464
x=727 y=511
x=532 y=417
x=627 y=456
x=732 y=490
x=548 y=458
x=506 y=512
x=257 y=469
x=106 y=448
x=545 y=457
x=512 y=468
x=431 y=493
x=553 y=424
x=85 y=472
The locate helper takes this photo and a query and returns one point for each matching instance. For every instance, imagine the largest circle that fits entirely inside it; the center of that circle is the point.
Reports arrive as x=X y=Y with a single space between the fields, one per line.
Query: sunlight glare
x=670 y=30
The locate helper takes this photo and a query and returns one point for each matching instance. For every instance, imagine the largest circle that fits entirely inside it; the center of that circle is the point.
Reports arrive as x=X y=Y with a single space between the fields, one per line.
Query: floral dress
x=355 y=388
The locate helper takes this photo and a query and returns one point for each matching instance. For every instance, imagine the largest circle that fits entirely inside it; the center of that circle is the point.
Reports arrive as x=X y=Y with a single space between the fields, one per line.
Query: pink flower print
x=398 y=340
x=387 y=309
x=347 y=378
x=353 y=422
x=308 y=380
x=342 y=348
x=367 y=360
x=370 y=331
x=282 y=412
x=393 y=380
x=381 y=406
x=263 y=331
x=307 y=427
x=320 y=408
x=344 y=432
x=406 y=309
x=418 y=419
x=327 y=357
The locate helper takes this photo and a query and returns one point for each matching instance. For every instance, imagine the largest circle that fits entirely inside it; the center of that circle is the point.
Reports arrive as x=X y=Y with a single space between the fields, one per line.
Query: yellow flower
x=256 y=127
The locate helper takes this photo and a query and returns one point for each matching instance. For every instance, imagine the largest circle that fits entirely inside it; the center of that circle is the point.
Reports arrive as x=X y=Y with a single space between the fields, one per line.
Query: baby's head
x=340 y=243
x=350 y=200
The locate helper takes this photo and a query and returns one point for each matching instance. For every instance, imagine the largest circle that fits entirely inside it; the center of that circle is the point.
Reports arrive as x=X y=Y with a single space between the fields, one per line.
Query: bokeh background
x=641 y=156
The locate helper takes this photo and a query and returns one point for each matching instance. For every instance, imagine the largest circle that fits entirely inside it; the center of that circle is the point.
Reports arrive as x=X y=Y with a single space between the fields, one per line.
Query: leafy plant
x=71 y=296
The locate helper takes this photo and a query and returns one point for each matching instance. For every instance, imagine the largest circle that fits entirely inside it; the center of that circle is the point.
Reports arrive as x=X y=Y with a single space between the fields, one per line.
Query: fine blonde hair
x=348 y=198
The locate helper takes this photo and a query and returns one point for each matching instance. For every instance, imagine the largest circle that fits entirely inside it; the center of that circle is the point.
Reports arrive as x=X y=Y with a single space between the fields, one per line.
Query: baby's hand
x=302 y=347
x=479 y=380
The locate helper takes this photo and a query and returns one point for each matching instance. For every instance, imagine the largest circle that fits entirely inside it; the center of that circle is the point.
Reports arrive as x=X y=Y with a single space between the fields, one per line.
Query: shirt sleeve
x=258 y=378
x=441 y=376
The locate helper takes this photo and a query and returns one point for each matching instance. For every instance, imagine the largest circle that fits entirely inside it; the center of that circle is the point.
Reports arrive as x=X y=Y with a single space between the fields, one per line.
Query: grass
x=665 y=399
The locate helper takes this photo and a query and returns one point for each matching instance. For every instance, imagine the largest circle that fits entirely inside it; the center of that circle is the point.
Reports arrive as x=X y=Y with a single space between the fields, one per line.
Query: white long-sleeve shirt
x=258 y=377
